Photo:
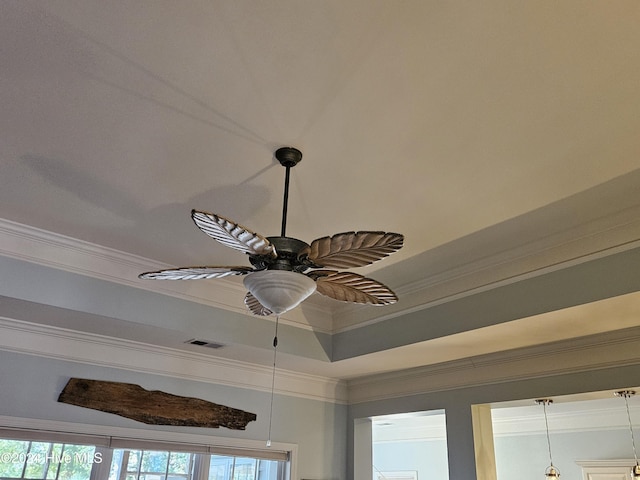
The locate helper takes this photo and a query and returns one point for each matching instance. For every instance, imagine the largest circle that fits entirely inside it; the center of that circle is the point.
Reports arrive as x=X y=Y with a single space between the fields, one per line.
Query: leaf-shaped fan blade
x=353 y=249
x=351 y=287
x=255 y=306
x=195 y=273
x=232 y=234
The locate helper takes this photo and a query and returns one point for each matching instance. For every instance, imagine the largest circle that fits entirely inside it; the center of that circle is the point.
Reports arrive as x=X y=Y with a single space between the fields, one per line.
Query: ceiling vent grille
x=204 y=343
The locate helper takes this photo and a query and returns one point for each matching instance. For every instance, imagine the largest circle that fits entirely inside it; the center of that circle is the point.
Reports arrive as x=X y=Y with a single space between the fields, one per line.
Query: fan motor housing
x=290 y=252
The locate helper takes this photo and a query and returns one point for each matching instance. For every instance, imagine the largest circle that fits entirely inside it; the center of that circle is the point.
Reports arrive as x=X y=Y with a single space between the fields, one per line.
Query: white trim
x=606 y=463
x=616 y=348
x=88 y=348
x=575 y=417
x=592 y=239
x=611 y=349
x=521 y=421
x=606 y=469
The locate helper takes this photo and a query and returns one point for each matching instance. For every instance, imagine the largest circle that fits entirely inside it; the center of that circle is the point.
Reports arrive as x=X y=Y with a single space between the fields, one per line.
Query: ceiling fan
x=285 y=270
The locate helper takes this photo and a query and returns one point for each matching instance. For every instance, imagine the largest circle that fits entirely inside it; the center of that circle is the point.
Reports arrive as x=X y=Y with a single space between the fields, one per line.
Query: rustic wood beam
x=152 y=407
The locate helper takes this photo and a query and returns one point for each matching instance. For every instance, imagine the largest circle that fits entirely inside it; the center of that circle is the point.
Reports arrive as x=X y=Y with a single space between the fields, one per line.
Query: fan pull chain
x=273 y=375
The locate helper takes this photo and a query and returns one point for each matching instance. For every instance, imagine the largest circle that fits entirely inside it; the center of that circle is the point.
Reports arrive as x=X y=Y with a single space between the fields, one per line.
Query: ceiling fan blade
x=351 y=287
x=232 y=234
x=353 y=249
x=195 y=273
x=255 y=306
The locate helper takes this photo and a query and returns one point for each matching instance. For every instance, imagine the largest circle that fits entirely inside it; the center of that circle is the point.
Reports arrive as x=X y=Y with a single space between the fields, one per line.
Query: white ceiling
x=462 y=125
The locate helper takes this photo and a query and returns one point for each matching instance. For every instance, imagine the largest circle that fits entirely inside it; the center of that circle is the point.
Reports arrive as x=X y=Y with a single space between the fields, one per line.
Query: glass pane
x=134 y=460
x=270 y=470
x=244 y=469
x=116 y=463
x=54 y=460
x=220 y=467
x=12 y=458
x=179 y=462
x=36 y=460
x=154 y=462
x=76 y=462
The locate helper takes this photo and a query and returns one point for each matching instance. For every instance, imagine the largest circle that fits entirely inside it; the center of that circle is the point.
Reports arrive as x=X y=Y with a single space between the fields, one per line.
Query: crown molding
x=612 y=349
x=519 y=258
x=92 y=349
x=606 y=463
x=507 y=422
x=30 y=244
x=617 y=348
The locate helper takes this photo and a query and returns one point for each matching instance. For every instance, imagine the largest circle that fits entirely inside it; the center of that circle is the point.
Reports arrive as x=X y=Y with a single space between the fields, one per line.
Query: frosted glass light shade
x=279 y=290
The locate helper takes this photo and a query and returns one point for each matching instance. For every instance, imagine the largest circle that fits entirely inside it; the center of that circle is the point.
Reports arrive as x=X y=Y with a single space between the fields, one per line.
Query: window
x=151 y=465
x=36 y=460
x=45 y=460
x=239 y=468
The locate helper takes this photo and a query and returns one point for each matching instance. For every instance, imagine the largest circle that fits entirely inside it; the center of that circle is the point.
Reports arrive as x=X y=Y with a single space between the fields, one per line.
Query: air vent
x=204 y=343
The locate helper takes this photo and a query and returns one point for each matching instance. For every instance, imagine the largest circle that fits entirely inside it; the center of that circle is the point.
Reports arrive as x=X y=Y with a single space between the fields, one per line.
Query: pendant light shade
x=552 y=472
x=279 y=290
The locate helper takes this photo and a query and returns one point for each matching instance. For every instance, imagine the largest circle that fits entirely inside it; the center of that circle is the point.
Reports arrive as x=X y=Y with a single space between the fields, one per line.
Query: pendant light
x=551 y=472
x=635 y=470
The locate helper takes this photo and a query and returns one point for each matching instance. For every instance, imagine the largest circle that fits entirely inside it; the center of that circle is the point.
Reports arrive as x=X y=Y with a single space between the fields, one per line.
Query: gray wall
x=30 y=385
x=457 y=404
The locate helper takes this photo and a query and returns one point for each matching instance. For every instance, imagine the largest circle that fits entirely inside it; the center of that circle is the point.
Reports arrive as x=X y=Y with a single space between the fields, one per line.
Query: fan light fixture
x=551 y=472
x=635 y=470
x=279 y=290
x=285 y=270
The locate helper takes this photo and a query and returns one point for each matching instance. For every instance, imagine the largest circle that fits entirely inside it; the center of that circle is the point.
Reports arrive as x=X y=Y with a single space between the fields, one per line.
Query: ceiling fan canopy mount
x=304 y=267
x=288 y=156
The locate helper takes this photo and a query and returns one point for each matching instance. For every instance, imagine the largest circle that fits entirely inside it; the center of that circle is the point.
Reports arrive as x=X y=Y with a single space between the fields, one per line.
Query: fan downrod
x=288 y=156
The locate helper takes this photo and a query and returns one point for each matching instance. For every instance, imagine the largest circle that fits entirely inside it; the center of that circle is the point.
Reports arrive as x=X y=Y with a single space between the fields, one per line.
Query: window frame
x=110 y=438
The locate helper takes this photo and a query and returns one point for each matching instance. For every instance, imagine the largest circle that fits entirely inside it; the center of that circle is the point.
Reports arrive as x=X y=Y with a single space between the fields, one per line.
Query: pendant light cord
x=546 y=423
x=633 y=440
x=273 y=376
